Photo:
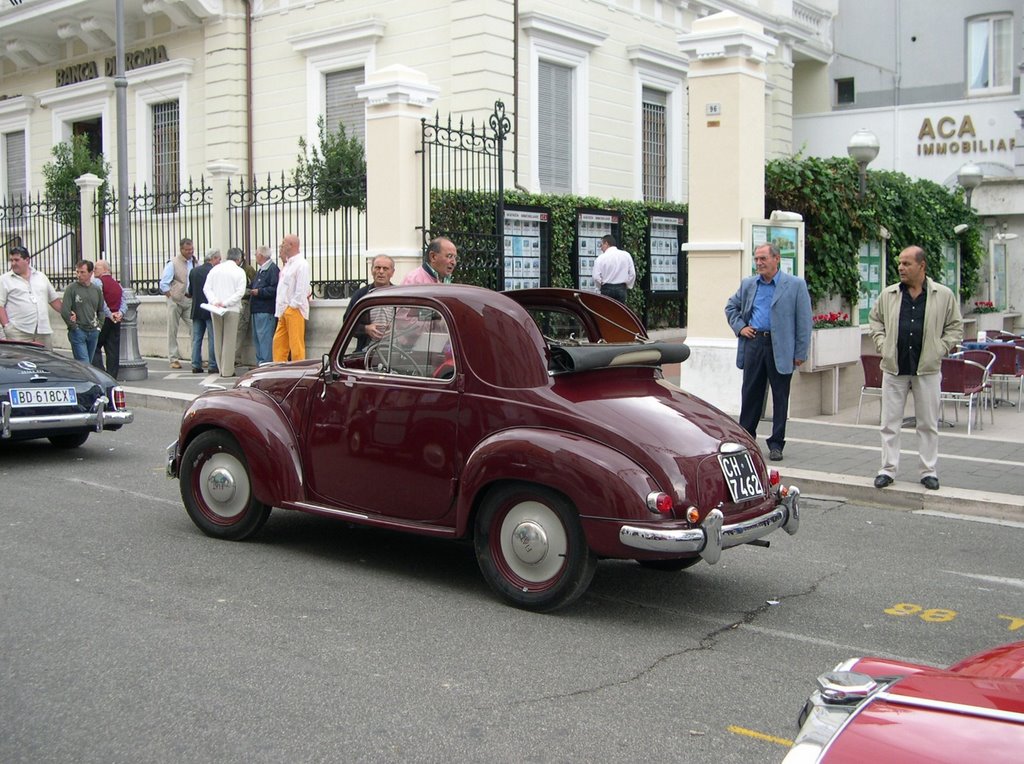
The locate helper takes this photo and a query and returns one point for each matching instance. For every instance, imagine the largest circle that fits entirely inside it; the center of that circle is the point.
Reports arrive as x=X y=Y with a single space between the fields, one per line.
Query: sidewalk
x=826 y=457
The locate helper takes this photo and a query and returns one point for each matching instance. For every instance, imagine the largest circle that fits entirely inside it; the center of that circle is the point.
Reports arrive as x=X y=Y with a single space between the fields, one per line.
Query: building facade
x=940 y=87
x=596 y=89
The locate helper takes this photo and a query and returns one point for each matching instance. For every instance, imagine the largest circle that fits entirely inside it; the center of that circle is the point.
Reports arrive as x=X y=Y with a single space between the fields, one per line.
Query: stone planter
x=836 y=346
x=989 y=322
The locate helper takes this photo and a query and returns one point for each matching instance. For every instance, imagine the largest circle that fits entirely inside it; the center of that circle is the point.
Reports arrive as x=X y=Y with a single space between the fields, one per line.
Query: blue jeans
x=263 y=327
x=201 y=326
x=83 y=343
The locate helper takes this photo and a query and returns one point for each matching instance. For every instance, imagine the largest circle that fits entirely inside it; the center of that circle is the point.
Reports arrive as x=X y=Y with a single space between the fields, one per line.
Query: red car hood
x=937 y=717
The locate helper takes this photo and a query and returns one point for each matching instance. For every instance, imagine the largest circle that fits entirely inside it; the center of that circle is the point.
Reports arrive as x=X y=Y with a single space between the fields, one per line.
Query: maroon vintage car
x=880 y=711
x=536 y=423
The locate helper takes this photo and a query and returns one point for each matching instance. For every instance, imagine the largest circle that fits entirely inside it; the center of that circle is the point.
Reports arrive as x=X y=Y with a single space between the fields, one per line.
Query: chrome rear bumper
x=97 y=419
x=712 y=535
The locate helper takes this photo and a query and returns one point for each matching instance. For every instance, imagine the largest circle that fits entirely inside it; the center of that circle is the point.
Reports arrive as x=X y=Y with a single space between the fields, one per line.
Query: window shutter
x=554 y=127
x=343 y=106
x=14 y=159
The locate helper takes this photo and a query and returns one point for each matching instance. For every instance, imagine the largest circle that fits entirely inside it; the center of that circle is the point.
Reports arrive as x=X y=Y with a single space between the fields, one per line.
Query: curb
x=905 y=496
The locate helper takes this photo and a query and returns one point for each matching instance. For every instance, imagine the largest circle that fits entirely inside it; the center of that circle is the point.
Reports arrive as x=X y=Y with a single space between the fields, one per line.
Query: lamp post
x=133 y=367
x=969 y=177
x=863 y=148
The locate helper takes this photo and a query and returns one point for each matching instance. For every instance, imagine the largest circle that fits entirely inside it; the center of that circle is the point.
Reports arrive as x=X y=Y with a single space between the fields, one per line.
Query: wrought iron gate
x=468 y=162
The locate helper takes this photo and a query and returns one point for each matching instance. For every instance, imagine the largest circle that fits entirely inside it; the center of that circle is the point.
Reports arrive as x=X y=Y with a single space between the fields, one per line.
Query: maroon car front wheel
x=531 y=548
x=217 y=490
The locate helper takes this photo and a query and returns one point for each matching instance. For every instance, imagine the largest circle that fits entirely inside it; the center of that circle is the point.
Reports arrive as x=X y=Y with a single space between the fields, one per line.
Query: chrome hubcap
x=530 y=542
x=221 y=485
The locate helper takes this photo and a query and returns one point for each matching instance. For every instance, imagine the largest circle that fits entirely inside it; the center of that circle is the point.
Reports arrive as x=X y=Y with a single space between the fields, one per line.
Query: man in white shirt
x=24 y=295
x=224 y=288
x=292 y=306
x=614 y=272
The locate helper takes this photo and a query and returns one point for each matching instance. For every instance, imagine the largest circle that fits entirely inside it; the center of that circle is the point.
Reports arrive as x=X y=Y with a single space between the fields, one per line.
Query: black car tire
x=531 y=548
x=217 y=489
x=69 y=440
x=670 y=566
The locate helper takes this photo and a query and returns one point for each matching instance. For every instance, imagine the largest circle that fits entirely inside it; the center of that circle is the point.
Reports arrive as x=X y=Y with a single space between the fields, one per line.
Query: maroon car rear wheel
x=531 y=548
x=217 y=490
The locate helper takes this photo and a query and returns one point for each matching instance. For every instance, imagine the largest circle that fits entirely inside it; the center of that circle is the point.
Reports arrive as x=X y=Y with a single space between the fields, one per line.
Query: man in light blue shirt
x=771 y=315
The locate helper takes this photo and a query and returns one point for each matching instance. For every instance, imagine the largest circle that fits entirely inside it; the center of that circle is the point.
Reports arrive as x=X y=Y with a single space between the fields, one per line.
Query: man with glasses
x=25 y=294
x=438 y=264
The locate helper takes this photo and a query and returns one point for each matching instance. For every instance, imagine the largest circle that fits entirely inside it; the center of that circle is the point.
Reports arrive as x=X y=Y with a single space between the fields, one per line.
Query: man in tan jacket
x=914 y=324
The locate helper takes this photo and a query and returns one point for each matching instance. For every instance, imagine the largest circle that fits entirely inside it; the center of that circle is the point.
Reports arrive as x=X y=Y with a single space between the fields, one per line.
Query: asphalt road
x=127 y=636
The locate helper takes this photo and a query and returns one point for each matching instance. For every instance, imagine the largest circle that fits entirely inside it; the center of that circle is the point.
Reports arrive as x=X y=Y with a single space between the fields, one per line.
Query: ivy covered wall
x=824 y=191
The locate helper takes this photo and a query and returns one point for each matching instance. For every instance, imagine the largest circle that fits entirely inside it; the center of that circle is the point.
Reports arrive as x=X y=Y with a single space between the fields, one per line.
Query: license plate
x=31 y=397
x=741 y=476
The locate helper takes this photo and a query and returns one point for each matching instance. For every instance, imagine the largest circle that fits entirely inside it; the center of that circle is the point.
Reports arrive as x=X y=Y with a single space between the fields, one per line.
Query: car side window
x=406 y=341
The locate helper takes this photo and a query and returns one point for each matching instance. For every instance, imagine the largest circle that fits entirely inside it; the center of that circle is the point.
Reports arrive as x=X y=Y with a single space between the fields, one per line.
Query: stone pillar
x=218 y=172
x=87 y=186
x=727 y=153
x=397 y=98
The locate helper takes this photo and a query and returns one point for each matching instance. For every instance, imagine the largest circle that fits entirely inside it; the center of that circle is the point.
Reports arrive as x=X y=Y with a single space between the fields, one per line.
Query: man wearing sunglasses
x=25 y=294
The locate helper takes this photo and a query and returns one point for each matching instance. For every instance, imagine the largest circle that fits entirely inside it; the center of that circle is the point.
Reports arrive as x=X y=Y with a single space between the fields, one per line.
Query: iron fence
x=41 y=226
x=457 y=158
x=157 y=221
x=332 y=240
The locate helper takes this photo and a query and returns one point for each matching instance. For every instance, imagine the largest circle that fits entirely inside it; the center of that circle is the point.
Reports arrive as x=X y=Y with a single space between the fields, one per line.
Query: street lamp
x=969 y=177
x=863 y=148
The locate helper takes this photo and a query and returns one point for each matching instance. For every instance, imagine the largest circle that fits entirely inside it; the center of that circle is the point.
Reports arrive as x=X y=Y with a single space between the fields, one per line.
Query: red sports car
x=536 y=423
x=880 y=711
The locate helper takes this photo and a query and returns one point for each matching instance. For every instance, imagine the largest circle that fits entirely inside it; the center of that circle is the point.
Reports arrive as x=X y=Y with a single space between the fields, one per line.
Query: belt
x=759 y=333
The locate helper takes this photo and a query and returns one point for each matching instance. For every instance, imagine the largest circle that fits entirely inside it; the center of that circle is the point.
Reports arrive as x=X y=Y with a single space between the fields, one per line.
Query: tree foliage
x=335 y=169
x=71 y=160
x=837 y=221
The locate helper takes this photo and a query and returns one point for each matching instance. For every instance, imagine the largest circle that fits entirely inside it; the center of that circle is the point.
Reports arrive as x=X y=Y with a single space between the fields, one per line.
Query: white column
x=218 y=172
x=397 y=98
x=87 y=186
x=727 y=153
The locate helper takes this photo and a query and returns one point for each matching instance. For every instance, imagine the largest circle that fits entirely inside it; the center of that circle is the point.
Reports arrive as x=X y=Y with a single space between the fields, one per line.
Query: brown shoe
x=175 y=365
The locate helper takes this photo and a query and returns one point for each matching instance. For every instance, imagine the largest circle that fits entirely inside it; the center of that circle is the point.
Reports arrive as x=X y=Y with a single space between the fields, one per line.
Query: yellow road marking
x=759 y=735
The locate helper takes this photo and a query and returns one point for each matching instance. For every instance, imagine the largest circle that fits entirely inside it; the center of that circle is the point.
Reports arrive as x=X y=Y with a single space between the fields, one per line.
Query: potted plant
x=989 y=317
x=835 y=341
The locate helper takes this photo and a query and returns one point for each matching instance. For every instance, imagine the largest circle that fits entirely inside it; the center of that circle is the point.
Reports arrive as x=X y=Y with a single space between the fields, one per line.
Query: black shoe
x=196 y=371
x=775 y=454
x=881 y=481
x=931 y=483
x=214 y=370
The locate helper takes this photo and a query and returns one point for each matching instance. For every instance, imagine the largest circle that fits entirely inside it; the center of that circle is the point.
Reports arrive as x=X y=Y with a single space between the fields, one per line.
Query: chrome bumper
x=712 y=535
x=97 y=419
x=172 y=460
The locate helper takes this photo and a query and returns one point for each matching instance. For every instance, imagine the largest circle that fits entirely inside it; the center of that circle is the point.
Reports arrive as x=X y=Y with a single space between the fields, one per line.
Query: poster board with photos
x=591 y=225
x=871 y=265
x=527 y=245
x=788 y=236
x=666 y=265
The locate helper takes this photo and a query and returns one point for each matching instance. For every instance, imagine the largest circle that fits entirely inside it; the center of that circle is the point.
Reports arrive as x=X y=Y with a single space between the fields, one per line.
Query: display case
x=591 y=225
x=871 y=264
x=527 y=247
